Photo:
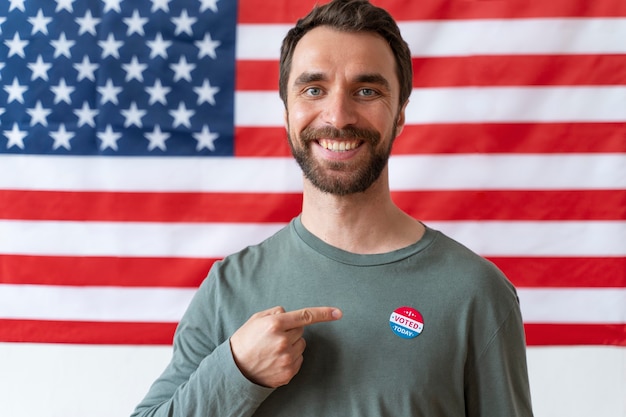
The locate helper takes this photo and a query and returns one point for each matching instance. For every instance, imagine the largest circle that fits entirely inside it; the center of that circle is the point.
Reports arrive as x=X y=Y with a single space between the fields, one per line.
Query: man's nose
x=340 y=111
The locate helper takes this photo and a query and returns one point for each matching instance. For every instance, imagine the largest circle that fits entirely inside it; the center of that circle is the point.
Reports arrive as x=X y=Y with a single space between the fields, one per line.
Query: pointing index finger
x=310 y=315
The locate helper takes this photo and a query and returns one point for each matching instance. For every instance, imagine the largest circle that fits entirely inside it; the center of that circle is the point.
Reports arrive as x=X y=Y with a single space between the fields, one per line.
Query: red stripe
x=103 y=271
x=259 y=11
x=37 y=331
x=31 y=331
x=575 y=334
x=459 y=138
x=281 y=208
x=493 y=70
x=556 y=272
x=564 y=272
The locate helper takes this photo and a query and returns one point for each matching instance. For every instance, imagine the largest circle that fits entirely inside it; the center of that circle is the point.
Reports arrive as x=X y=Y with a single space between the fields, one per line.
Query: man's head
x=350 y=16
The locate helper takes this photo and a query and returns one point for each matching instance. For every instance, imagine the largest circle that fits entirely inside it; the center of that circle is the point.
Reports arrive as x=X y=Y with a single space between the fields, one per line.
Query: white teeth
x=338 y=146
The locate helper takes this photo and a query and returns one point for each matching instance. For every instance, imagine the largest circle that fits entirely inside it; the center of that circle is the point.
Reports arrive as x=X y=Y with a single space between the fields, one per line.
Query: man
x=420 y=325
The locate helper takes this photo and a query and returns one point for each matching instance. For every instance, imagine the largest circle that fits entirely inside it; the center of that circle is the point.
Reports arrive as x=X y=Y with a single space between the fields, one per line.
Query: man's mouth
x=339 y=145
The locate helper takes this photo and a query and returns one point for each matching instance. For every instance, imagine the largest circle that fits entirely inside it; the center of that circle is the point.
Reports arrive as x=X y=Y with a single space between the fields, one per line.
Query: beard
x=340 y=177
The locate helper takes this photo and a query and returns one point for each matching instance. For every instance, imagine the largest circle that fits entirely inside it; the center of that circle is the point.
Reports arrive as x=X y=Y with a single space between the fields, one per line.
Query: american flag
x=142 y=140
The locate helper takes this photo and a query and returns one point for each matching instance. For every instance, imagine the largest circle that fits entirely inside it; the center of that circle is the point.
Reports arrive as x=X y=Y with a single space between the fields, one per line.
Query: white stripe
x=563 y=305
x=471 y=104
x=539 y=238
x=471 y=37
x=276 y=175
x=215 y=240
x=212 y=240
x=573 y=305
x=93 y=303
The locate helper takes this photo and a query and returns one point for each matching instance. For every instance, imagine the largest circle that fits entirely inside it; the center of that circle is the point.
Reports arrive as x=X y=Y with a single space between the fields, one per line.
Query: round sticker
x=406 y=322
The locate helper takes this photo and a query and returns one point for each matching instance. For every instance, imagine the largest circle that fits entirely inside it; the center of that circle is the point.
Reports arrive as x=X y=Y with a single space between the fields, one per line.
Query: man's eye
x=367 y=92
x=313 y=91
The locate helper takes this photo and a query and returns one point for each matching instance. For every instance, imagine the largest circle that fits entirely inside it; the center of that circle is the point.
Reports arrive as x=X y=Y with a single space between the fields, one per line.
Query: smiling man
x=419 y=324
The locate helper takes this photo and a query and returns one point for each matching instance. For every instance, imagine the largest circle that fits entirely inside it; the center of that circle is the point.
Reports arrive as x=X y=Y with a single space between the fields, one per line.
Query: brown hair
x=350 y=16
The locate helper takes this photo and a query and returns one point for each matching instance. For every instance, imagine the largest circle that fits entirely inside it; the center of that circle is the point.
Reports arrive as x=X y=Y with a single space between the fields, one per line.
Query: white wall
x=105 y=381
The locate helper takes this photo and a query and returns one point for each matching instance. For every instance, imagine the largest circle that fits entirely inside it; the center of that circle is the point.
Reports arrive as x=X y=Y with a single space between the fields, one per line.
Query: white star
x=38 y=114
x=16 y=4
x=206 y=93
x=160 y=5
x=15 y=91
x=207 y=46
x=109 y=92
x=2 y=20
x=133 y=115
x=110 y=47
x=15 y=137
x=181 y=115
x=61 y=138
x=182 y=69
x=158 y=92
x=135 y=23
x=109 y=138
x=62 y=46
x=16 y=46
x=65 y=4
x=39 y=23
x=205 y=139
x=158 y=47
x=134 y=69
x=39 y=69
x=62 y=92
x=112 y=5
x=86 y=69
x=86 y=115
x=183 y=23
x=157 y=138
x=87 y=24
x=208 y=4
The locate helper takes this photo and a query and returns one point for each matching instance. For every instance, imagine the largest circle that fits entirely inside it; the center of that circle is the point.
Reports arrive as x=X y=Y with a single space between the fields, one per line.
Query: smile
x=339 y=145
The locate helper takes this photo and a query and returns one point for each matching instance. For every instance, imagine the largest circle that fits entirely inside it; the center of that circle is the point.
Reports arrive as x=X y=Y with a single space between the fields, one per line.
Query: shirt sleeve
x=202 y=379
x=497 y=384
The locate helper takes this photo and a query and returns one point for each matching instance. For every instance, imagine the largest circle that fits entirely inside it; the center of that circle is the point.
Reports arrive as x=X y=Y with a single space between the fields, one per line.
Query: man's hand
x=268 y=347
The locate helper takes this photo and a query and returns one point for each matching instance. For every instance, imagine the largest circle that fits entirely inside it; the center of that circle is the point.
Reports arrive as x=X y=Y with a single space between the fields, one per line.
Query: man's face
x=342 y=108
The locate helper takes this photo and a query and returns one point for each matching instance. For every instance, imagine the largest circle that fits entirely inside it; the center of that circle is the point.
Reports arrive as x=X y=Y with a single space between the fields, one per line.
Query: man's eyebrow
x=309 y=77
x=374 y=78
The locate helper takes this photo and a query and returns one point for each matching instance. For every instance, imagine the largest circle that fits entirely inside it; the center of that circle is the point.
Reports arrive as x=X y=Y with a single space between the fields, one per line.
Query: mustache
x=309 y=134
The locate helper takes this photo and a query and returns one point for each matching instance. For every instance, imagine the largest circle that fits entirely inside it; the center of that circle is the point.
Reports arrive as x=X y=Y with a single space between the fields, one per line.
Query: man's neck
x=363 y=223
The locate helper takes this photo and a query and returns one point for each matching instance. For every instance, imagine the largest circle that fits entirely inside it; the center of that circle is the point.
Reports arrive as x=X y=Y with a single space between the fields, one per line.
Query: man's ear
x=401 y=119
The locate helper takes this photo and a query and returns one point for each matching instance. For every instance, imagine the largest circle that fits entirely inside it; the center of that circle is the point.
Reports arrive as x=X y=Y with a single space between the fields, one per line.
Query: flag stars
x=182 y=70
x=112 y=5
x=183 y=23
x=207 y=47
x=40 y=23
x=15 y=137
x=109 y=138
x=64 y=5
x=38 y=114
x=157 y=93
x=160 y=5
x=208 y=5
x=109 y=92
x=16 y=46
x=16 y=4
x=87 y=24
x=158 y=47
x=205 y=139
x=86 y=115
x=206 y=93
x=15 y=91
x=62 y=46
x=39 y=69
x=62 y=92
x=133 y=115
x=86 y=69
x=110 y=47
x=182 y=116
x=61 y=138
x=134 y=70
x=157 y=138
x=135 y=24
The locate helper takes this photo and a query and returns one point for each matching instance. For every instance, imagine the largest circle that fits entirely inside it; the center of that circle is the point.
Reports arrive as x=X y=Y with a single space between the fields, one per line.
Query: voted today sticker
x=406 y=322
